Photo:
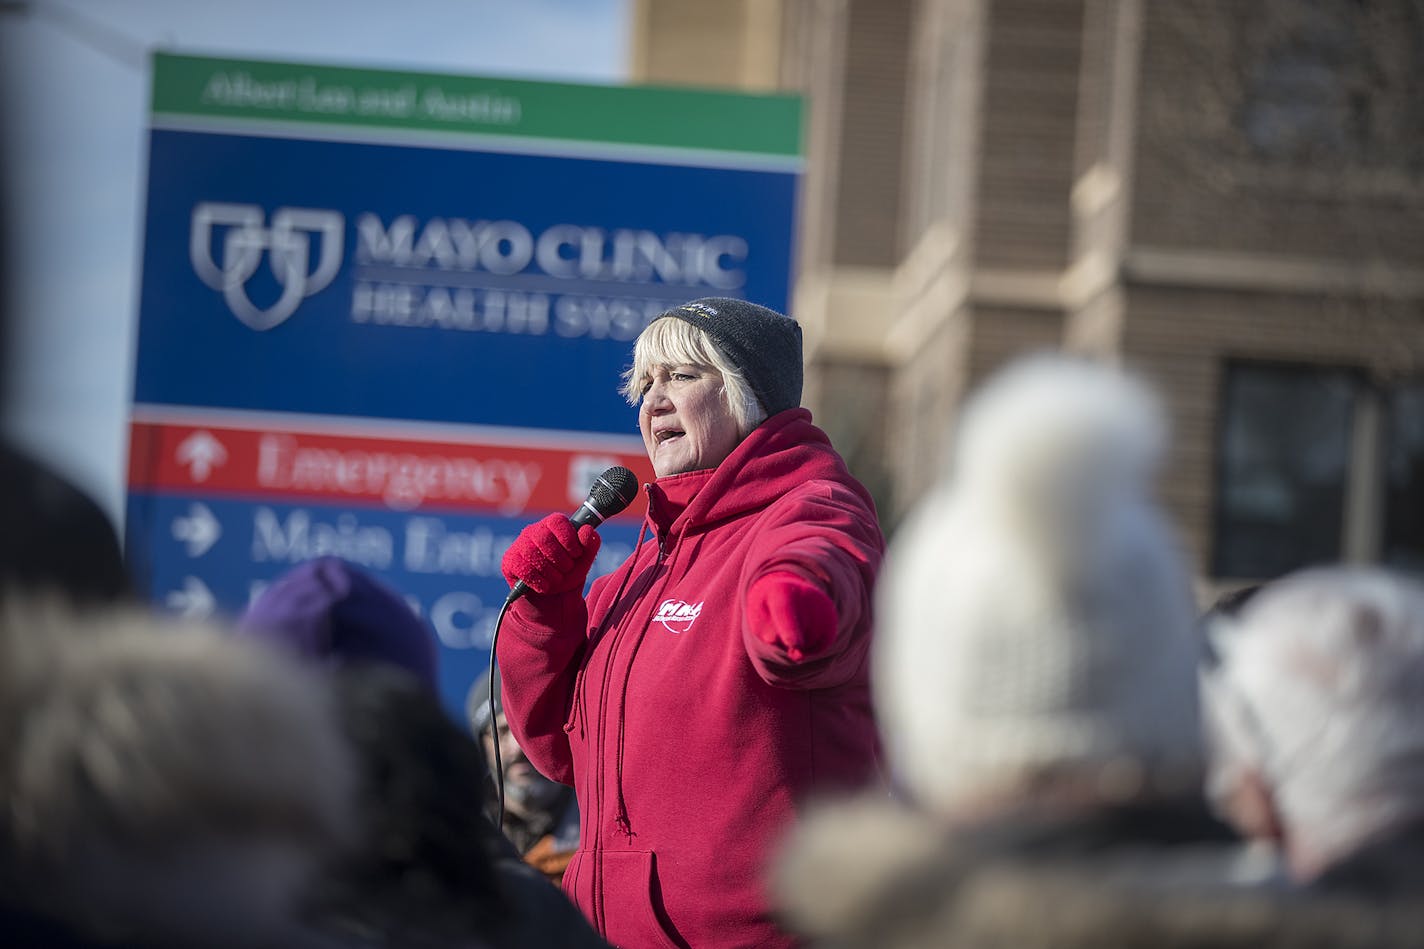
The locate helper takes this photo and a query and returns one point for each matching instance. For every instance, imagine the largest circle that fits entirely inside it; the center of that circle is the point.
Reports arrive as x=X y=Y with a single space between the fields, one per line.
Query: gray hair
x=1321 y=692
x=672 y=342
x=181 y=780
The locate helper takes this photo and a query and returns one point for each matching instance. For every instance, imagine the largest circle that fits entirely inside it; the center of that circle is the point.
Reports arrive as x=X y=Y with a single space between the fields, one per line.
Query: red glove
x=789 y=611
x=550 y=556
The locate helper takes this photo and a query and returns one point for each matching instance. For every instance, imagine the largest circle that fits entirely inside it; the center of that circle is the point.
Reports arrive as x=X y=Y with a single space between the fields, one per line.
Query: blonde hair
x=674 y=342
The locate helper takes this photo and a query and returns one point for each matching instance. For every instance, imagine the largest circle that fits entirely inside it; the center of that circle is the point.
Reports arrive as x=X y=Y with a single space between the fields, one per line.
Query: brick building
x=1228 y=197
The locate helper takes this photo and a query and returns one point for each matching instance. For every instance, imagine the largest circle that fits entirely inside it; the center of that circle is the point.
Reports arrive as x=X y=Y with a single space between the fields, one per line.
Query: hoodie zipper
x=608 y=672
x=621 y=817
x=600 y=744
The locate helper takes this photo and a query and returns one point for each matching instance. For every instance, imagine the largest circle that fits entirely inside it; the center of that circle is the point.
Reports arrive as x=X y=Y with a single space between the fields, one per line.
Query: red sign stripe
x=400 y=474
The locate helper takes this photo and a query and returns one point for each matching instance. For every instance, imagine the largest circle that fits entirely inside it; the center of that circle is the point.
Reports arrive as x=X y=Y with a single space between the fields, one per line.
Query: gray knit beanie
x=762 y=343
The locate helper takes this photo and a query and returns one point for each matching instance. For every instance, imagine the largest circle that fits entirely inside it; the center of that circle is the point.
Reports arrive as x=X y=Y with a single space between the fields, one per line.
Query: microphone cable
x=494 y=712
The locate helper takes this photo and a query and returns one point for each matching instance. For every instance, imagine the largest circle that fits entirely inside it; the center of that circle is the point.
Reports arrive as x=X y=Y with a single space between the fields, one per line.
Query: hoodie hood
x=784 y=451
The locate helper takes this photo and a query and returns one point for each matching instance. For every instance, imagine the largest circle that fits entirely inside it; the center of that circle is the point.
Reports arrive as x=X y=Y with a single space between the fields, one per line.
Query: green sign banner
x=625 y=117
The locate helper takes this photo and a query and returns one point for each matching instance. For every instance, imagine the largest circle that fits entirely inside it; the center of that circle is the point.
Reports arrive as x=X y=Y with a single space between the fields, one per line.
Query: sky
x=75 y=79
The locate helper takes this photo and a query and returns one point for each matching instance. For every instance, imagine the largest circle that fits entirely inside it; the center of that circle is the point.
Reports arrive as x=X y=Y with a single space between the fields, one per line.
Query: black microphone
x=610 y=493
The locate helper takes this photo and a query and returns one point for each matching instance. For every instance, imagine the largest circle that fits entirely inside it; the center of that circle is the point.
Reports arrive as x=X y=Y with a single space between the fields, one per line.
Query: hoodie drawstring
x=576 y=707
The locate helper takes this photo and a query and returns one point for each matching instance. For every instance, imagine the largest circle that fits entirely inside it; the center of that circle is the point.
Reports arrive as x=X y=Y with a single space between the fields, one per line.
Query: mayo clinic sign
x=384 y=315
x=564 y=252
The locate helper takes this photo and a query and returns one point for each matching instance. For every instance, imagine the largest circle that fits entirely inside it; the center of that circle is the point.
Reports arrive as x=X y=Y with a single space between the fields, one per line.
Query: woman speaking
x=718 y=677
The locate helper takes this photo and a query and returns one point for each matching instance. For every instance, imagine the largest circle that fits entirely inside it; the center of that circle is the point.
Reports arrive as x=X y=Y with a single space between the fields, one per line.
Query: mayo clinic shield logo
x=287 y=244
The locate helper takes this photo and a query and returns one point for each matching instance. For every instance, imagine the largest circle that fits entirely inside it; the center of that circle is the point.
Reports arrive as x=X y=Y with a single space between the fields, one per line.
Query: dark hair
x=1227 y=606
x=56 y=538
x=425 y=867
x=1232 y=602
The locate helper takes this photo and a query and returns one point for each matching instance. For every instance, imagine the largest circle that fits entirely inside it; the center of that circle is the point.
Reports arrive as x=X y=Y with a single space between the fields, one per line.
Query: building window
x=1298 y=96
x=1332 y=80
x=1283 y=459
x=1317 y=465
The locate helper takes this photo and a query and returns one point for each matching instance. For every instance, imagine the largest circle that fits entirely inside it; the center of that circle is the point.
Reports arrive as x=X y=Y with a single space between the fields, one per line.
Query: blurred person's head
x=165 y=782
x=1317 y=708
x=530 y=799
x=1036 y=633
x=55 y=538
x=332 y=612
x=423 y=865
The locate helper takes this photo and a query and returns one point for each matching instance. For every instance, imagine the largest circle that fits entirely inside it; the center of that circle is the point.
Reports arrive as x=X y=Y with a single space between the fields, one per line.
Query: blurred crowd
x=1078 y=751
x=288 y=778
x=1083 y=755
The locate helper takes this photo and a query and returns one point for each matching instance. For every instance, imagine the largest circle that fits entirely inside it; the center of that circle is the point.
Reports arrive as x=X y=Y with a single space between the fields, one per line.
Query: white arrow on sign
x=199 y=530
x=195 y=600
x=200 y=453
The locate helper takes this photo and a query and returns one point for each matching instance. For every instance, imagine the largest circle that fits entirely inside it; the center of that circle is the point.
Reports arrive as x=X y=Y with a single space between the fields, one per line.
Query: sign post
x=384 y=315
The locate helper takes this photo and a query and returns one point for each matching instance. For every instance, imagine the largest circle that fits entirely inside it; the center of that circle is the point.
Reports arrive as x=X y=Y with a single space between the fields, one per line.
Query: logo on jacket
x=244 y=241
x=677 y=616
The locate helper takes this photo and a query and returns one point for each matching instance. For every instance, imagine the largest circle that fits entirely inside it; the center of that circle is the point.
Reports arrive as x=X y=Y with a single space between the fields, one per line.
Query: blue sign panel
x=395 y=282
x=212 y=555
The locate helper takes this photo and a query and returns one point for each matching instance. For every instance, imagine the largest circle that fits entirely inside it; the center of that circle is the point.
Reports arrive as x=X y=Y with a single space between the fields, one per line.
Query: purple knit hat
x=327 y=609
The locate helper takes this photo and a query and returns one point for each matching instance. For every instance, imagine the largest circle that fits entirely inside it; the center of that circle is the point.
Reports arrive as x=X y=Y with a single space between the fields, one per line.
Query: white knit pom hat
x=1035 y=615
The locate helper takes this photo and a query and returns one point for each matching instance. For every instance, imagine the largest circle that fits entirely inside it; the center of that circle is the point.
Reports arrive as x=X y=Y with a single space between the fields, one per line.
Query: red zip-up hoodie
x=691 y=742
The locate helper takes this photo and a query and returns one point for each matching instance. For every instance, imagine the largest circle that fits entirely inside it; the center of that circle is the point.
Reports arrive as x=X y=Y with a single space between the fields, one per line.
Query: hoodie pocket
x=633 y=912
